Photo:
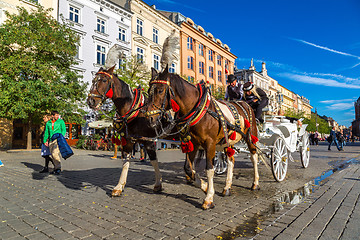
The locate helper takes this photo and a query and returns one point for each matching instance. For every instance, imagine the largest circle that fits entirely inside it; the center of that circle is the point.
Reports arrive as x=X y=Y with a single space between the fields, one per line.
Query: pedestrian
x=56 y=125
x=143 y=153
x=256 y=98
x=316 y=138
x=117 y=142
x=234 y=90
x=333 y=139
x=45 y=151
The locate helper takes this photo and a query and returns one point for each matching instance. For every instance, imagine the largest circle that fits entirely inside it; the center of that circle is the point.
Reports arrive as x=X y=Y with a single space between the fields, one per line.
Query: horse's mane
x=125 y=88
x=179 y=84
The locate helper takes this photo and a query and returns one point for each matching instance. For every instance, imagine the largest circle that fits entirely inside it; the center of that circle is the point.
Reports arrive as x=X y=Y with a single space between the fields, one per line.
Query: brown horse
x=203 y=123
x=130 y=121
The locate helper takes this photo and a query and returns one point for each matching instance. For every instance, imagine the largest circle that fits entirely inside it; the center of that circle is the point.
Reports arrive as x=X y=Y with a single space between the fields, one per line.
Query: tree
x=36 y=55
x=134 y=72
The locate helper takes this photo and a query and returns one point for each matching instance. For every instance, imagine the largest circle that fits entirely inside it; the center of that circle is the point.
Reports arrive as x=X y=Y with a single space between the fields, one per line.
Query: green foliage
x=36 y=55
x=219 y=93
x=323 y=126
x=134 y=72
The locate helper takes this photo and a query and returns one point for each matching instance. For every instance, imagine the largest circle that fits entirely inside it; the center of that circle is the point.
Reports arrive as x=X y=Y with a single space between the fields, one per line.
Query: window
x=74 y=14
x=219 y=60
x=122 y=34
x=122 y=64
x=219 y=76
x=211 y=55
x=156 y=61
x=140 y=54
x=227 y=64
x=190 y=43
x=201 y=67
x=211 y=72
x=190 y=63
x=172 y=68
x=155 y=35
x=191 y=79
x=100 y=54
x=100 y=26
x=139 y=27
x=201 y=49
x=77 y=56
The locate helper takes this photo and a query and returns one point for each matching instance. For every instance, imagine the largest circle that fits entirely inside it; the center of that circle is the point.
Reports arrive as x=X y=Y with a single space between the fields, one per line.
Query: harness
x=120 y=123
x=108 y=93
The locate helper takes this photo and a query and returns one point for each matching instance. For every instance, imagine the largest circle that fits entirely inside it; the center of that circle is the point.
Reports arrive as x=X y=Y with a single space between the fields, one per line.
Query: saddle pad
x=226 y=111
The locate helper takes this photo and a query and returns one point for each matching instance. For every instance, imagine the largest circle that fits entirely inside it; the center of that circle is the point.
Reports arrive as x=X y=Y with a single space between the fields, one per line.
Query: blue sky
x=310 y=47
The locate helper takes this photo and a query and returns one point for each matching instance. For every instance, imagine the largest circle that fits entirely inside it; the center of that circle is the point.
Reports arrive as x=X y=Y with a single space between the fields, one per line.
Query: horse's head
x=161 y=95
x=102 y=87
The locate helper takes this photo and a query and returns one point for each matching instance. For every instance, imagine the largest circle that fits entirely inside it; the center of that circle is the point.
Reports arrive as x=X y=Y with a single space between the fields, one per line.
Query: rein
x=108 y=93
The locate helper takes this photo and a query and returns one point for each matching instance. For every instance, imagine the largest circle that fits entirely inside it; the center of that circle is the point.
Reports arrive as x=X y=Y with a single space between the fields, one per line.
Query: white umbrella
x=100 y=124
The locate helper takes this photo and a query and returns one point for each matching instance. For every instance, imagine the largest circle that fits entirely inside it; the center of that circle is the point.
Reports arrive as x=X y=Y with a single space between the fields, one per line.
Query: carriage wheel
x=220 y=163
x=305 y=150
x=279 y=160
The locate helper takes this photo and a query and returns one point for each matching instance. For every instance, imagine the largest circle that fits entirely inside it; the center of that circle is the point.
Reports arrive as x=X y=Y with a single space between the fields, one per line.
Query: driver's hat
x=231 y=78
x=248 y=86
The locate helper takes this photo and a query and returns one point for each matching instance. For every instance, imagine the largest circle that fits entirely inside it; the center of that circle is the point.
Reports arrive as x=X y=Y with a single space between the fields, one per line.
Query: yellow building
x=149 y=30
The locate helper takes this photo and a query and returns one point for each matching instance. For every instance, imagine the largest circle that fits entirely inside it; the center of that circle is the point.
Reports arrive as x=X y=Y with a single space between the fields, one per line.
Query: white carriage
x=278 y=140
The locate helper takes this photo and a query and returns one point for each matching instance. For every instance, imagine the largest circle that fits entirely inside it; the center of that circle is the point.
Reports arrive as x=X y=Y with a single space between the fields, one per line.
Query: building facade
x=149 y=31
x=356 y=123
x=203 y=57
x=100 y=25
x=281 y=99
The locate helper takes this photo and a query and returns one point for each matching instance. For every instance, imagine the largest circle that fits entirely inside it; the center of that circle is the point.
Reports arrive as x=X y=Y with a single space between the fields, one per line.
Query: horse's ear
x=111 y=70
x=154 y=74
x=166 y=70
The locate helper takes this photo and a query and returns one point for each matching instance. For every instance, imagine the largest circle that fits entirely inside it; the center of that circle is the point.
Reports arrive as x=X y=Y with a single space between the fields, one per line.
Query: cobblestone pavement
x=77 y=203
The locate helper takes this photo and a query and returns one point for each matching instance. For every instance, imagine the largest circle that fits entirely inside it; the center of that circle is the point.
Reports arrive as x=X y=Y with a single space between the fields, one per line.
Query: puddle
x=251 y=226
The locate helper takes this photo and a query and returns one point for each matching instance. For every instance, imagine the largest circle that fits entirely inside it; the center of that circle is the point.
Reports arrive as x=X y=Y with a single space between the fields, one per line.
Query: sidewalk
x=332 y=211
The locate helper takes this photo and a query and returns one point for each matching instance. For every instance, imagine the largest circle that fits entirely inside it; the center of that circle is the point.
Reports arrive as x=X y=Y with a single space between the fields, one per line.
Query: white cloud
x=318 y=81
x=340 y=106
x=339 y=100
x=325 y=48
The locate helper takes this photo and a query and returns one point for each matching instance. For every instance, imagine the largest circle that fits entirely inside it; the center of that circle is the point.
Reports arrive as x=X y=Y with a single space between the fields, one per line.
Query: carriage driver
x=256 y=98
x=233 y=90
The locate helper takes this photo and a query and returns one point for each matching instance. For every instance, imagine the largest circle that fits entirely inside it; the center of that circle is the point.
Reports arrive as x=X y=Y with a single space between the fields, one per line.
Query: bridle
x=108 y=91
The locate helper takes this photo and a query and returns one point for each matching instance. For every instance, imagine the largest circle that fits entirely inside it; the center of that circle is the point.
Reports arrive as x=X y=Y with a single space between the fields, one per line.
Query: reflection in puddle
x=251 y=226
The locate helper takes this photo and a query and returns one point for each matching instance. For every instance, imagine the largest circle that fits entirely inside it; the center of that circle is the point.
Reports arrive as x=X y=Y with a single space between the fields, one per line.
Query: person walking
x=143 y=153
x=56 y=125
x=334 y=139
x=45 y=151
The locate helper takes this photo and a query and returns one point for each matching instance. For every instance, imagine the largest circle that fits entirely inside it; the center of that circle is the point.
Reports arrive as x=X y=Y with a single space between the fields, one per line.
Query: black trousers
x=258 y=109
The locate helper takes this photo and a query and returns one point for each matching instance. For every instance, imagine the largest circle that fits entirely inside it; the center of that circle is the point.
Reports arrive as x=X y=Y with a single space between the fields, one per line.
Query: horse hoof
x=207 y=205
x=157 y=189
x=188 y=180
x=255 y=187
x=226 y=192
x=116 y=193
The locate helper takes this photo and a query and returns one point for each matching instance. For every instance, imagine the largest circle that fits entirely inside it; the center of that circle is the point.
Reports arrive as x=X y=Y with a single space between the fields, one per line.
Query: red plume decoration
x=247 y=124
x=123 y=141
x=233 y=136
x=230 y=152
x=254 y=139
x=175 y=107
x=113 y=139
x=117 y=141
x=110 y=93
x=187 y=147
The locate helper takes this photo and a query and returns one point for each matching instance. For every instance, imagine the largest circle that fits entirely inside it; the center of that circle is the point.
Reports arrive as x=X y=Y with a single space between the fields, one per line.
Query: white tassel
x=171 y=44
x=113 y=56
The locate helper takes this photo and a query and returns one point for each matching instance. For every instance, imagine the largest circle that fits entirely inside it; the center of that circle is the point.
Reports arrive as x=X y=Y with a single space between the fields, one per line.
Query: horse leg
x=229 y=176
x=118 y=189
x=209 y=199
x=254 y=160
x=154 y=162
x=190 y=170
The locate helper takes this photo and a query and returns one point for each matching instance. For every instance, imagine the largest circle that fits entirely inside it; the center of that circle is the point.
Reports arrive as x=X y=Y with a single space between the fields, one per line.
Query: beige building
x=280 y=98
x=149 y=30
x=10 y=6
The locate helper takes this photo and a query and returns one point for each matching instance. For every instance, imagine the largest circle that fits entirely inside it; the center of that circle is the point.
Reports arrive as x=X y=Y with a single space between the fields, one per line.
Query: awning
x=100 y=124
